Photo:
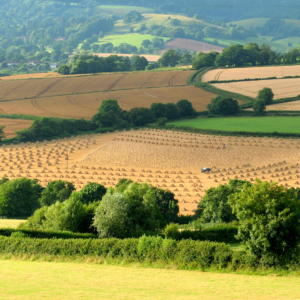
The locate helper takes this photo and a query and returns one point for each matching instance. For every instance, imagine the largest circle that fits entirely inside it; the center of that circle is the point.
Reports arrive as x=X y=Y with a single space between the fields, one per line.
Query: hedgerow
x=185 y=254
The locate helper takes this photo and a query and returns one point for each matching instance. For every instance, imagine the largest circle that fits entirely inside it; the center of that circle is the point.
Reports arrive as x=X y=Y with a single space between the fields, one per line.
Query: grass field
x=10 y=223
x=134 y=39
x=55 y=280
x=246 y=124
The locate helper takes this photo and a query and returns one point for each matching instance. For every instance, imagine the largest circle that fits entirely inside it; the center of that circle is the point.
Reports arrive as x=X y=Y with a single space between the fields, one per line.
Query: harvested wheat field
x=32 y=75
x=11 y=126
x=10 y=223
x=282 y=88
x=80 y=97
x=167 y=159
x=251 y=73
x=86 y=105
x=287 y=106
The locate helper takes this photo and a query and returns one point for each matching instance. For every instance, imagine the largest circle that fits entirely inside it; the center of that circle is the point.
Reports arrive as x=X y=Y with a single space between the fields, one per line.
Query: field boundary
x=196 y=80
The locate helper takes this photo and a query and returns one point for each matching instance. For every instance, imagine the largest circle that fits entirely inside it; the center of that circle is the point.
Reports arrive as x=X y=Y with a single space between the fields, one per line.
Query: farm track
x=167 y=159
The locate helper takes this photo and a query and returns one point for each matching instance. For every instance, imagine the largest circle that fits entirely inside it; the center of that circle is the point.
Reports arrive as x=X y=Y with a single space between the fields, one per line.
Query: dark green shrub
x=43 y=234
x=92 y=192
x=214 y=206
x=58 y=190
x=19 y=197
x=193 y=254
x=223 y=106
x=269 y=227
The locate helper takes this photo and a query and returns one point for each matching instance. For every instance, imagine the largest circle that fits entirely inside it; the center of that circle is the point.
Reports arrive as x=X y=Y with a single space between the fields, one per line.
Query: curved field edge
x=196 y=80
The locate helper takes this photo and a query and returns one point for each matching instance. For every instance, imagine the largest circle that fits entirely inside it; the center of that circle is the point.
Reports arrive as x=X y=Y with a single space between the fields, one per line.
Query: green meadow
x=244 y=124
x=65 y=280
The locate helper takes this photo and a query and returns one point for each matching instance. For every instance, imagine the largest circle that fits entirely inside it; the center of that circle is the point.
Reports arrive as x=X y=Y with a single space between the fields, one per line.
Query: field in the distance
x=11 y=126
x=282 y=88
x=10 y=223
x=166 y=159
x=80 y=96
x=245 y=124
x=251 y=73
x=54 y=280
x=287 y=106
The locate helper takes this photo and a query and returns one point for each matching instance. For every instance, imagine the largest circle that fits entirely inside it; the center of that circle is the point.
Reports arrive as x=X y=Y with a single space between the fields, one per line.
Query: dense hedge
x=181 y=254
x=40 y=234
x=218 y=233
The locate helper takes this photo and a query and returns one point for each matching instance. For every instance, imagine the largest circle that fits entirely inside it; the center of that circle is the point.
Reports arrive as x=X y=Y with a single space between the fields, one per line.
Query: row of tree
x=246 y=55
x=88 y=63
x=128 y=210
x=228 y=106
x=109 y=117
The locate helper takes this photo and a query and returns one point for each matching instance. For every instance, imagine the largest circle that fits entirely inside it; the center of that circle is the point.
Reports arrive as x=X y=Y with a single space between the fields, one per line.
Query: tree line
x=246 y=55
x=109 y=117
x=87 y=63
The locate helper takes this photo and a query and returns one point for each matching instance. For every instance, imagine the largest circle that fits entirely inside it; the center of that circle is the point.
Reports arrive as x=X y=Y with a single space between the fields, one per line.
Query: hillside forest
x=37 y=36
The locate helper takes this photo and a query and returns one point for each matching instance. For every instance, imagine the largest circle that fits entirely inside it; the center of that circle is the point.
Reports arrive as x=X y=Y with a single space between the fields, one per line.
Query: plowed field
x=80 y=96
x=251 y=73
x=167 y=159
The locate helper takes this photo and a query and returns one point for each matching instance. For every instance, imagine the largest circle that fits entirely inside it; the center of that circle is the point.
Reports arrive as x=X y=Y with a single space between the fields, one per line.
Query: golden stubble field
x=80 y=96
x=11 y=126
x=251 y=73
x=166 y=159
x=282 y=88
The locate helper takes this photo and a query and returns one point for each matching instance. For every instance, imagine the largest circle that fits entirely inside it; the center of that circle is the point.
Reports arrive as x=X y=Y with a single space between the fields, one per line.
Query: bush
x=132 y=209
x=269 y=227
x=58 y=190
x=92 y=192
x=68 y=215
x=141 y=116
x=47 y=128
x=266 y=95
x=259 y=107
x=223 y=106
x=224 y=233
x=44 y=234
x=185 y=108
x=214 y=206
x=19 y=197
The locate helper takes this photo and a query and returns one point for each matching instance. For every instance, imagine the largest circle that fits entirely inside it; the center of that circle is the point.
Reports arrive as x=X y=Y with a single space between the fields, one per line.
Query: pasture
x=134 y=39
x=167 y=159
x=244 y=124
x=80 y=96
x=56 y=280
